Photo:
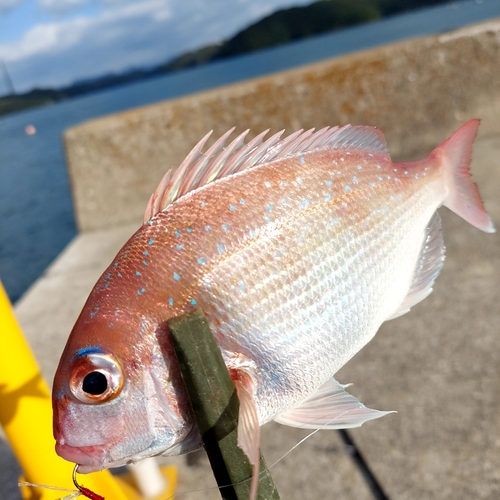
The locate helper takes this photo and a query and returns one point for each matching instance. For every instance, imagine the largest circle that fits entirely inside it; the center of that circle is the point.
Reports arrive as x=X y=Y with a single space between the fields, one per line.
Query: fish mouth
x=88 y=458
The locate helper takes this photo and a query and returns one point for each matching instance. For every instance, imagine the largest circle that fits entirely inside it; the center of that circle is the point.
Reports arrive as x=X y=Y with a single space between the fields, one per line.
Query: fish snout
x=88 y=458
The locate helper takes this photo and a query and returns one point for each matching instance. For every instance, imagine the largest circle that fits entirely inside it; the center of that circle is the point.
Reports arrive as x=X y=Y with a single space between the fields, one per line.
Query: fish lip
x=88 y=458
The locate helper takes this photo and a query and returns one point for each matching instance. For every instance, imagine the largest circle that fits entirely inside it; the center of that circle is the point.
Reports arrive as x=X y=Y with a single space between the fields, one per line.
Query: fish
x=295 y=249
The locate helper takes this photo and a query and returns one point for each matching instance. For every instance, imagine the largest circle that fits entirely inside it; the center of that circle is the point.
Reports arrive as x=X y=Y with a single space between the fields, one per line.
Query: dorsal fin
x=217 y=162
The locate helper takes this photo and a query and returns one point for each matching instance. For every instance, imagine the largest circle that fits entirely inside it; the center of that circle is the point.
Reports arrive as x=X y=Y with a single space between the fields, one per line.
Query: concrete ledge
x=417 y=92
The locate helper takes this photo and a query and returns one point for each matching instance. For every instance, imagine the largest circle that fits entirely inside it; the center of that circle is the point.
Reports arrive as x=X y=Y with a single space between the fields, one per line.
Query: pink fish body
x=297 y=252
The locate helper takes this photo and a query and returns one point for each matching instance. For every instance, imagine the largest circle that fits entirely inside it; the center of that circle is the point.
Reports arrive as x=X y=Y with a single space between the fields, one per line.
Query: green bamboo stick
x=215 y=405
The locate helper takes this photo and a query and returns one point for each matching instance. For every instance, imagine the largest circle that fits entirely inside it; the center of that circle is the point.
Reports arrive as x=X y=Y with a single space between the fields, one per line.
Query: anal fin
x=331 y=407
x=429 y=264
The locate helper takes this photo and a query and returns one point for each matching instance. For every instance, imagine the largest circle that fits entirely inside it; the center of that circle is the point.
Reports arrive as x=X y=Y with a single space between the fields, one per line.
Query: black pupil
x=95 y=383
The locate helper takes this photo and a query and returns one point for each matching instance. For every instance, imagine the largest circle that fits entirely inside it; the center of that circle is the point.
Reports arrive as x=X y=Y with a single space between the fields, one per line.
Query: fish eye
x=95 y=383
x=96 y=378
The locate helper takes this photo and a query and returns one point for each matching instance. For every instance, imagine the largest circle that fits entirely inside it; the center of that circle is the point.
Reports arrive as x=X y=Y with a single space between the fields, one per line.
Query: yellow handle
x=26 y=417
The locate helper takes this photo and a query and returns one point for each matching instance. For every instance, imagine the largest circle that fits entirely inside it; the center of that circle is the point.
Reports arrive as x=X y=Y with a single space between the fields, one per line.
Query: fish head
x=117 y=395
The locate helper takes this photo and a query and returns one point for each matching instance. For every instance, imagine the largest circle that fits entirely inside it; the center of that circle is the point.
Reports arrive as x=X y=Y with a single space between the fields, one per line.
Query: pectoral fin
x=248 y=426
x=331 y=407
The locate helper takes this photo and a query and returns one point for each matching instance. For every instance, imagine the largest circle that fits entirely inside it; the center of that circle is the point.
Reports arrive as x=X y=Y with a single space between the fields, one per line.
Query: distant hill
x=280 y=27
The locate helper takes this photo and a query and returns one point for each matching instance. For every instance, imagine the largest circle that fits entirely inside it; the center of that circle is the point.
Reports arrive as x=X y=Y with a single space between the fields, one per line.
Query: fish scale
x=310 y=299
x=297 y=250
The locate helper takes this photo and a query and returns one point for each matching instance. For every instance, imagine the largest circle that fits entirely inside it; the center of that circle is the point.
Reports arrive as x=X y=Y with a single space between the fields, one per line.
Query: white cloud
x=122 y=35
x=60 y=6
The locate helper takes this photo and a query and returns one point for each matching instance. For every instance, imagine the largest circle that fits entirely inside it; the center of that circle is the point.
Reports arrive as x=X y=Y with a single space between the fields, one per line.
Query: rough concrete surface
x=415 y=91
x=438 y=366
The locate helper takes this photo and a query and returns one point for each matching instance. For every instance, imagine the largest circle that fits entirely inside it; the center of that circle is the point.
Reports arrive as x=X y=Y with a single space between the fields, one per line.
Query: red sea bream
x=296 y=249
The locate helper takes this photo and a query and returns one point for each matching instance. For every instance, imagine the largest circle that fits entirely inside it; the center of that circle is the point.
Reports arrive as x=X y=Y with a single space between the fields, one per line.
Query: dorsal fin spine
x=200 y=168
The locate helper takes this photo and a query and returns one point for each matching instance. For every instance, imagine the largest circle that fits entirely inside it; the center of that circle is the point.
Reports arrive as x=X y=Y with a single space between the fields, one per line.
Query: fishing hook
x=85 y=491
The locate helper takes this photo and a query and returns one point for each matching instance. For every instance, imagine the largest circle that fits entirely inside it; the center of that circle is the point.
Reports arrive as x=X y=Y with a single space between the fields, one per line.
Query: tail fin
x=463 y=197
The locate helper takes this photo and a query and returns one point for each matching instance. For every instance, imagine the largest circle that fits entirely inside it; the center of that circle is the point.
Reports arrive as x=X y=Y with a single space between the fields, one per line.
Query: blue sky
x=52 y=43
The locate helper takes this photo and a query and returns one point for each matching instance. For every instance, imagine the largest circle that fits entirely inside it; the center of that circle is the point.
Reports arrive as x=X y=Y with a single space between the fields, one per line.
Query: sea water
x=36 y=213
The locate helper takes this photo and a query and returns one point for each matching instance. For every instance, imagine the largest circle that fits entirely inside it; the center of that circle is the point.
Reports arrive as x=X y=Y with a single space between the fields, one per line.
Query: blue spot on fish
x=108 y=276
x=115 y=264
x=137 y=273
x=202 y=260
x=193 y=302
x=179 y=247
x=302 y=160
x=329 y=183
x=151 y=241
x=170 y=301
x=328 y=197
x=221 y=248
x=145 y=262
x=232 y=208
x=299 y=180
x=177 y=277
x=208 y=228
x=243 y=201
x=85 y=351
x=177 y=233
x=360 y=167
x=202 y=204
x=106 y=285
x=267 y=184
x=189 y=230
x=145 y=252
x=355 y=179
x=380 y=178
x=93 y=313
x=347 y=187
x=406 y=172
x=141 y=291
x=225 y=227
x=269 y=208
x=283 y=201
x=243 y=287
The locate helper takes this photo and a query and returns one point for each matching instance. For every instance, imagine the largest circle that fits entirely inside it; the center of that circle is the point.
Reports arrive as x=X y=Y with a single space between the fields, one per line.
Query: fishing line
x=73 y=493
x=175 y=495
x=80 y=490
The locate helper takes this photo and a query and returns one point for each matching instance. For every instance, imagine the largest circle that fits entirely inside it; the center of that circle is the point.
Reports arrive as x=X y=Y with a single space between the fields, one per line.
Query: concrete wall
x=416 y=91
